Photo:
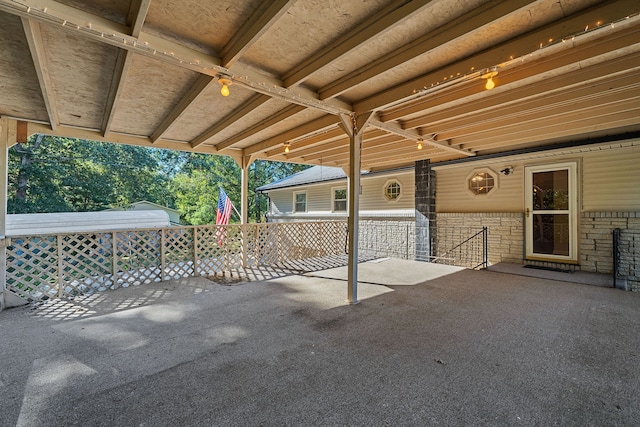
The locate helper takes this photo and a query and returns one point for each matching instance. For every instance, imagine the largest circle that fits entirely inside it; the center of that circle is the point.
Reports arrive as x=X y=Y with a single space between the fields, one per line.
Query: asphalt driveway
x=459 y=347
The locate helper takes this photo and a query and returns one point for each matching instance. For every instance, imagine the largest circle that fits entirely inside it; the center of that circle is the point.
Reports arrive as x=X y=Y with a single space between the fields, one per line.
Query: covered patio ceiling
x=147 y=72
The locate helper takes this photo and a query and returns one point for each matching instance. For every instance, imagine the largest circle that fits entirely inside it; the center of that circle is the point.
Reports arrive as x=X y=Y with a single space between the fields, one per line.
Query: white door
x=551 y=212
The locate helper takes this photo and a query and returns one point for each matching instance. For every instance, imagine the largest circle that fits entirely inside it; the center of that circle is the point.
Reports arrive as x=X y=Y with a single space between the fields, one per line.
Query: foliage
x=52 y=174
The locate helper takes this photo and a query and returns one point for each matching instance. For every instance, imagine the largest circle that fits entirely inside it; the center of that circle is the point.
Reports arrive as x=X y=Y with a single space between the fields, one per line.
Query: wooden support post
x=354 y=127
x=244 y=210
x=5 y=136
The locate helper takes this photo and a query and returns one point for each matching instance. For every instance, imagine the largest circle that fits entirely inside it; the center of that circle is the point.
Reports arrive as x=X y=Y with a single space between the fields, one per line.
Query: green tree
x=52 y=174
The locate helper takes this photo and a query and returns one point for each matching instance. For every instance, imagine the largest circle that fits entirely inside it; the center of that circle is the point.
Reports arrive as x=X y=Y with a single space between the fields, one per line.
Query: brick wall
x=387 y=237
x=596 y=244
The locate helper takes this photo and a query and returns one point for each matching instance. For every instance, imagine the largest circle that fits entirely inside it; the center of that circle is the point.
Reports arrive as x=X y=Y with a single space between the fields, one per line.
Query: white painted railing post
x=4 y=162
x=195 y=252
x=114 y=258
x=59 y=239
x=162 y=254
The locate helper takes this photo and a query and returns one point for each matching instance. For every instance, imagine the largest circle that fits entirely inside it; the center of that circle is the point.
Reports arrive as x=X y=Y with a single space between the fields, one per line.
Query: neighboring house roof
x=315 y=175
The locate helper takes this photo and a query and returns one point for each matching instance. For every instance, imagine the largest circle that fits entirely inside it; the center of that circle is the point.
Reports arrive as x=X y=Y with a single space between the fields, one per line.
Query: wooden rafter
x=414 y=135
x=230 y=119
x=284 y=114
x=195 y=92
x=137 y=14
x=267 y=13
x=316 y=125
x=37 y=50
x=521 y=47
x=161 y=49
x=390 y=15
x=470 y=21
x=567 y=85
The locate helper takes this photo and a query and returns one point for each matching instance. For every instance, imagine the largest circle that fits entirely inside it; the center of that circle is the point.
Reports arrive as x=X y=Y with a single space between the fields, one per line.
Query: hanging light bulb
x=419 y=147
x=225 y=82
x=489 y=76
x=286 y=147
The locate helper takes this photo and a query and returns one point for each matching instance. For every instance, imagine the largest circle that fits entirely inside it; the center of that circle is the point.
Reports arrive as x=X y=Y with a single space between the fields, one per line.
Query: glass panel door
x=550 y=209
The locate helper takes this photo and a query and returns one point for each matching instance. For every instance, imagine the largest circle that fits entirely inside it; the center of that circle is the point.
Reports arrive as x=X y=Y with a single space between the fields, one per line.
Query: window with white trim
x=339 y=199
x=482 y=182
x=392 y=190
x=300 y=201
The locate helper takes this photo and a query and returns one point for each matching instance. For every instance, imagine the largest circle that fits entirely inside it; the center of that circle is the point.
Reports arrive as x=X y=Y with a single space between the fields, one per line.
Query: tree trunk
x=26 y=158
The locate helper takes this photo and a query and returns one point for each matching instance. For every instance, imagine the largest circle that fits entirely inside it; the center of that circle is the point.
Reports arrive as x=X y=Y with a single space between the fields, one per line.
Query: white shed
x=75 y=222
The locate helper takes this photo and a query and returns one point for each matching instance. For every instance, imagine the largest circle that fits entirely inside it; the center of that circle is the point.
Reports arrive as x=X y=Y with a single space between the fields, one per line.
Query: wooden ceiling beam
x=115 y=137
x=468 y=22
x=137 y=14
x=120 y=70
x=99 y=29
x=414 y=135
x=620 y=47
x=525 y=49
x=37 y=50
x=554 y=128
x=202 y=84
x=233 y=117
x=397 y=161
x=284 y=114
x=343 y=150
x=384 y=19
x=265 y=15
x=604 y=73
x=548 y=107
x=312 y=143
x=316 y=125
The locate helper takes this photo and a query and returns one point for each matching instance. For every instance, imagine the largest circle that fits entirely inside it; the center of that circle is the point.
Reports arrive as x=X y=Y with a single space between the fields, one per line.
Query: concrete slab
x=390 y=272
x=467 y=348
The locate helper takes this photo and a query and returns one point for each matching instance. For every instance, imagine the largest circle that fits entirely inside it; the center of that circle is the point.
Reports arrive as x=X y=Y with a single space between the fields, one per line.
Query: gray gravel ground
x=464 y=348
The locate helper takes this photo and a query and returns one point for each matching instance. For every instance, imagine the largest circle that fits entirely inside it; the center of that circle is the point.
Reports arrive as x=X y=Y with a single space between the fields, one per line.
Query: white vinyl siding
x=606 y=182
x=320 y=196
x=611 y=180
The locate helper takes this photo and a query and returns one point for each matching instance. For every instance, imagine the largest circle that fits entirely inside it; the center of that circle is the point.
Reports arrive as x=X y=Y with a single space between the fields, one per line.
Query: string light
x=419 y=146
x=287 y=146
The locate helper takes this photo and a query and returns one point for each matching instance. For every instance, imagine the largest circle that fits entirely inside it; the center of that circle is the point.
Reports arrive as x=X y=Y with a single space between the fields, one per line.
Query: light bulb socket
x=225 y=82
x=489 y=75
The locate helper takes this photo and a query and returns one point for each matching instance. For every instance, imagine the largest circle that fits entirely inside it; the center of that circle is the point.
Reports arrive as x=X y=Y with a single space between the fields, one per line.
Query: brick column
x=425 y=207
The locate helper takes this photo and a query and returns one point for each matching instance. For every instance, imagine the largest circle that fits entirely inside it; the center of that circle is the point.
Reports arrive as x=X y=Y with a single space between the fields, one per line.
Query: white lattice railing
x=42 y=267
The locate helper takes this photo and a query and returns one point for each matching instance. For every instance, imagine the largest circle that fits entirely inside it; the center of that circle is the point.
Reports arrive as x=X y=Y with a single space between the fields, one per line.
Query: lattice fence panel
x=233 y=246
x=211 y=253
x=32 y=267
x=265 y=249
x=178 y=253
x=309 y=240
x=138 y=257
x=87 y=262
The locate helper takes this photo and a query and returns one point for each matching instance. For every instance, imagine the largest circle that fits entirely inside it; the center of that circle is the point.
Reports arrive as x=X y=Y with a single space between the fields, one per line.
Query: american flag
x=224 y=208
x=222 y=215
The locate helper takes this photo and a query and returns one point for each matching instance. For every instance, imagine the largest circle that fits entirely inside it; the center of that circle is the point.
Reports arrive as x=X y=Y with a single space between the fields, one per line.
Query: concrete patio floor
x=441 y=346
